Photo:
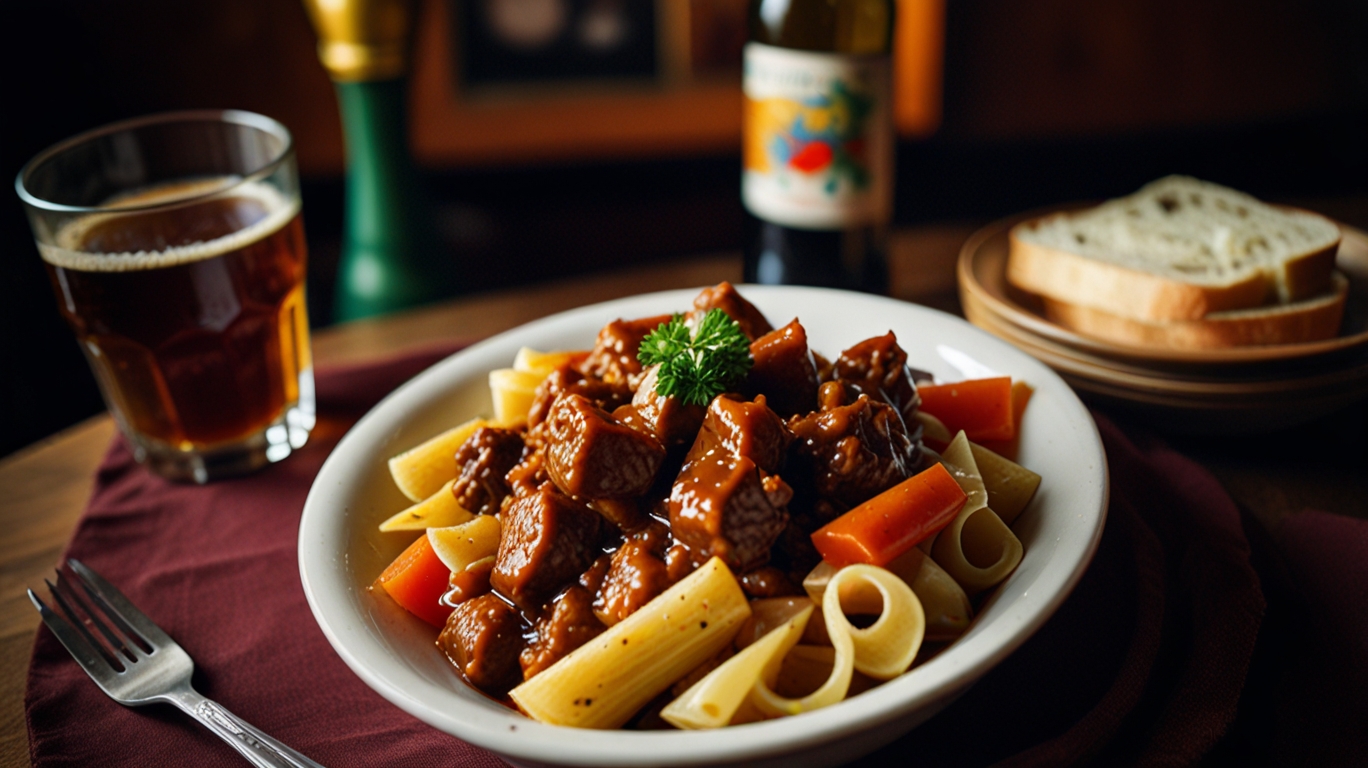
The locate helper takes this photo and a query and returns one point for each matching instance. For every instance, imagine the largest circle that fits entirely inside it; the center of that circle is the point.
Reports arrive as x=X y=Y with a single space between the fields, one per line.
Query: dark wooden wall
x=1044 y=100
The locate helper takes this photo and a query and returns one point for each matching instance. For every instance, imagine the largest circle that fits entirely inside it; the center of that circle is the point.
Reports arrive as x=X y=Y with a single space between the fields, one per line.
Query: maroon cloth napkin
x=215 y=566
x=1161 y=656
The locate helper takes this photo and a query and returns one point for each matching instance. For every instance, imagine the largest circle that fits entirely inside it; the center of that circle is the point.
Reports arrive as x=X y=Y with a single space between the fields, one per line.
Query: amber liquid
x=200 y=339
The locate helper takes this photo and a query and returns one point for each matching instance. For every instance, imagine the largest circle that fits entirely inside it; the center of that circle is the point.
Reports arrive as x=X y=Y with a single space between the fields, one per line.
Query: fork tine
x=119 y=607
x=117 y=641
x=75 y=620
x=92 y=661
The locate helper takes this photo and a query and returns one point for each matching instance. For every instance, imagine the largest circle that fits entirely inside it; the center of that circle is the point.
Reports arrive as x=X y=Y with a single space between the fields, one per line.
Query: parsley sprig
x=700 y=366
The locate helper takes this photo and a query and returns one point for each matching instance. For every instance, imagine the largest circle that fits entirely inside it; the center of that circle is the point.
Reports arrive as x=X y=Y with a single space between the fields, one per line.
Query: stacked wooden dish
x=1239 y=389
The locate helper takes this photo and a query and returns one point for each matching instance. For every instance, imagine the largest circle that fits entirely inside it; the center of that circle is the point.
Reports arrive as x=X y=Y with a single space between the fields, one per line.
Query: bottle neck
x=380 y=175
x=856 y=27
x=391 y=257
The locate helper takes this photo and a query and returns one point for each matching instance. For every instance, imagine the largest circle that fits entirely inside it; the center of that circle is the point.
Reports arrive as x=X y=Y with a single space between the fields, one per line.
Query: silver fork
x=136 y=663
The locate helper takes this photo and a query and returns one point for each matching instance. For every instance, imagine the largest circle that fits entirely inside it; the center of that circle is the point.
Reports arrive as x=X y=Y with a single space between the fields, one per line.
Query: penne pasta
x=436 y=511
x=605 y=681
x=544 y=363
x=512 y=392
x=712 y=701
x=977 y=549
x=422 y=470
x=459 y=546
x=933 y=429
x=1010 y=486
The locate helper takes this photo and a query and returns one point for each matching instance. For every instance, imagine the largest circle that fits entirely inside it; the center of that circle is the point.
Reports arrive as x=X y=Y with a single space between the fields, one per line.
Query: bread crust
x=1313 y=319
x=1086 y=282
x=1140 y=295
x=1310 y=275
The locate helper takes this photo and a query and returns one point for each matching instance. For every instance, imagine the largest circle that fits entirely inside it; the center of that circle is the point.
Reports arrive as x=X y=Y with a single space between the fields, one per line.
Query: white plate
x=341 y=552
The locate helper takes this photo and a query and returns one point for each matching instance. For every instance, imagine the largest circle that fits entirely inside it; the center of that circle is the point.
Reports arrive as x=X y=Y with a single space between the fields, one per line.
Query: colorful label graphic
x=818 y=146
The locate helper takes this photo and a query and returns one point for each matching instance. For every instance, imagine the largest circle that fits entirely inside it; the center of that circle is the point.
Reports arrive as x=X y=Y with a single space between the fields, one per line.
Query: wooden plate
x=983 y=278
x=1252 y=389
x=1201 y=406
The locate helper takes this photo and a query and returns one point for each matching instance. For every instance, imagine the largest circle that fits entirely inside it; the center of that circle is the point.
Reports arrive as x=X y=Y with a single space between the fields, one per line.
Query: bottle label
x=817 y=150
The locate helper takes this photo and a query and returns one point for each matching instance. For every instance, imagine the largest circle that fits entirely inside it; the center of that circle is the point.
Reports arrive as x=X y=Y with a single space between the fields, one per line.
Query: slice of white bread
x=1297 y=322
x=1178 y=249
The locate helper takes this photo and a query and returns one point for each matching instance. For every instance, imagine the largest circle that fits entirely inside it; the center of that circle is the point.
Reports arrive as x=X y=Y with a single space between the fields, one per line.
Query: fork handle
x=259 y=749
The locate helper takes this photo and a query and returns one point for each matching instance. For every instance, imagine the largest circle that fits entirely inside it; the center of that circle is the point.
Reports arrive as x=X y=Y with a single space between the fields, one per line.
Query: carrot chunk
x=893 y=522
x=1021 y=395
x=980 y=407
x=416 y=580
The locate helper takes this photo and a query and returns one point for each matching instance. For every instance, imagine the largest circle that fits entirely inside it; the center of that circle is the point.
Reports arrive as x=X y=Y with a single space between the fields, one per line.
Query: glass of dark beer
x=176 y=249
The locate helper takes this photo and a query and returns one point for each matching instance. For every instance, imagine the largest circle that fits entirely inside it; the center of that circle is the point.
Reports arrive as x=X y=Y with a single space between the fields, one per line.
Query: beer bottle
x=391 y=256
x=817 y=154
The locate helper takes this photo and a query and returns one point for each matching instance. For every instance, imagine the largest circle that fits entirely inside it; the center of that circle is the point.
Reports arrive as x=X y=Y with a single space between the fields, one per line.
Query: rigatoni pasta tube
x=771 y=704
x=806 y=666
x=886 y=648
x=944 y=604
x=605 y=681
x=1010 y=486
x=977 y=549
x=712 y=701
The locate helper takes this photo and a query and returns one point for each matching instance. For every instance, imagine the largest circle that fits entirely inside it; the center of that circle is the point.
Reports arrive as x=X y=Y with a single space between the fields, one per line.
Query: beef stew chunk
x=722 y=505
x=678 y=564
x=878 y=367
x=667 y=419
x=727 y=501
x=568 y=623
x=614 y=357
x=470 y=583
x=548 y=540
x=484 y=460
x=635 y=576
x=590 y=455
x=768 y=582
x=626 y=514
x=852 y=452
x=784 y=370
x=483 y=638
x=527 y=475
x=566 y=380
x=794 y=553
x=744 y=429
x=725 y=297
x=592 y=578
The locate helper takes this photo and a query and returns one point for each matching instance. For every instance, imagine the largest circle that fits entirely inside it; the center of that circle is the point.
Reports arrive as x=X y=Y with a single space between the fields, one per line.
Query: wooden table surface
x=43 y=488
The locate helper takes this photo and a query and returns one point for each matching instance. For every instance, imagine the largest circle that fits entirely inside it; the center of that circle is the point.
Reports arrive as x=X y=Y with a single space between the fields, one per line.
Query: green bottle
x=391 y=256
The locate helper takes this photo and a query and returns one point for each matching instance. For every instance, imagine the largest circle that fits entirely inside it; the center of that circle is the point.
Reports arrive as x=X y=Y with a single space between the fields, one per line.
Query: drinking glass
x=175 y=246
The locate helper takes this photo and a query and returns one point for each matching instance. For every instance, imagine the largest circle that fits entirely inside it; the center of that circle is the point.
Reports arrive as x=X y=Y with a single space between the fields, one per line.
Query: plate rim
x=1137 y=378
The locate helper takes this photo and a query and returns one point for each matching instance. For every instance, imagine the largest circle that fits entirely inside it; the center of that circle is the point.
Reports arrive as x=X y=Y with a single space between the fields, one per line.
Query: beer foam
x=65 y=253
